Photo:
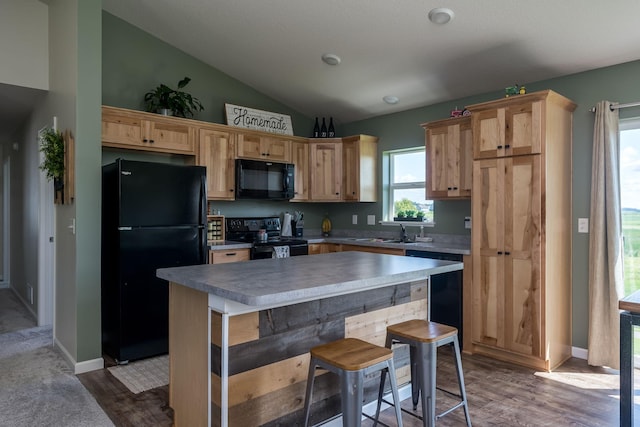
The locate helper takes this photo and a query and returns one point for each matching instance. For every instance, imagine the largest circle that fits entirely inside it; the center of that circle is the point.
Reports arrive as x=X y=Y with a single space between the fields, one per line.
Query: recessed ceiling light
x=331 y=59
x=390 y=99
x=441 y=15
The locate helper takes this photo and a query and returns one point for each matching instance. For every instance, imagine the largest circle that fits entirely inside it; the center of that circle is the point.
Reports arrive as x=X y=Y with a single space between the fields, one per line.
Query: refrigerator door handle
x=125 y=228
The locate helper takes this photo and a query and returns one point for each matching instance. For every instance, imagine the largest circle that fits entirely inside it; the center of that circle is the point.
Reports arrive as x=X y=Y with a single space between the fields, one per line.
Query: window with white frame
x=630 y=201
x=406 y=194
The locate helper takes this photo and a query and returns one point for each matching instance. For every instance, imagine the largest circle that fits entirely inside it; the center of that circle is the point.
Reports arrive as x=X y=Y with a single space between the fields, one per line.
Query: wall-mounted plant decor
x=58 y=162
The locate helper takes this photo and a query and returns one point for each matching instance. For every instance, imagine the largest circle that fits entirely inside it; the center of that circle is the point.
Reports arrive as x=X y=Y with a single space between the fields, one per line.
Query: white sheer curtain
x=605 y=241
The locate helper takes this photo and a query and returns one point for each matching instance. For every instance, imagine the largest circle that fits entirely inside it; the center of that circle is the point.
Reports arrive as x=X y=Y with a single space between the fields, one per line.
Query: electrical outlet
x=371 y=220
x=583 y=225
x=354 y=219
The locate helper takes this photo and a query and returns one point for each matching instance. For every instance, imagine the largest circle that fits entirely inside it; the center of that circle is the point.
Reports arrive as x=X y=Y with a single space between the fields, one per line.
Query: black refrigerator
x=153 y=216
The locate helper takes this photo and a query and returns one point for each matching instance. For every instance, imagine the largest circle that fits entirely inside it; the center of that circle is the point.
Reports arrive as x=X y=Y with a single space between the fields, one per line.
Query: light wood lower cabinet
x=372 y=249
x=228 y=255
x=508 y=303
x=323 y=248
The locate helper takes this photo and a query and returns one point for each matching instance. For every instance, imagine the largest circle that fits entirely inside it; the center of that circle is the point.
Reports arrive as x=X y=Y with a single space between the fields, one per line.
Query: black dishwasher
x=446 y=291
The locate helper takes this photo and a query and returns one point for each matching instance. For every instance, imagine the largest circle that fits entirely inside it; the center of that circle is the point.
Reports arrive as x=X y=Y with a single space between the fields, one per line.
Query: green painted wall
x=135 y=62
x=617 y=83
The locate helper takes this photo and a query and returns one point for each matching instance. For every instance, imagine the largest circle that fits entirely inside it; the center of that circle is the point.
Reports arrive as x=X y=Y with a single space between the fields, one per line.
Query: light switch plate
x=371 y=220
x=467 y=222
x=354 y=219
x=583 y=225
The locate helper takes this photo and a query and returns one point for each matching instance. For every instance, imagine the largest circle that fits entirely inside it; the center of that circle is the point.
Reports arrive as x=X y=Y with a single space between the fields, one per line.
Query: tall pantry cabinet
x=521 y=236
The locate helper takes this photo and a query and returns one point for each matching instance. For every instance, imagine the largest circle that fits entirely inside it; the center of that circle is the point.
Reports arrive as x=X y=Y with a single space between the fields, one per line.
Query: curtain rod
x=618 y=106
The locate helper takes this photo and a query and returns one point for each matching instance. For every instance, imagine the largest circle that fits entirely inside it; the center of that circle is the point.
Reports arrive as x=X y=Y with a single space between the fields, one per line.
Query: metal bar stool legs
x=423 y=339
x=351 y=359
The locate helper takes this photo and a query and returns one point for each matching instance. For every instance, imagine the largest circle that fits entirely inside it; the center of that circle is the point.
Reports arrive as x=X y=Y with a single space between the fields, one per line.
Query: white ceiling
x=389 y=47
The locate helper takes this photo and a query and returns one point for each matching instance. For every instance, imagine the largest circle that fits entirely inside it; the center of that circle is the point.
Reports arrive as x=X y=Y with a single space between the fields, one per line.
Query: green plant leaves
x=52 y=146
x=180 y=103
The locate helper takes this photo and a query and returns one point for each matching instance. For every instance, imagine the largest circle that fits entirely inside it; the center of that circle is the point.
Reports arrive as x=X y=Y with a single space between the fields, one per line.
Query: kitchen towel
x=280 y=252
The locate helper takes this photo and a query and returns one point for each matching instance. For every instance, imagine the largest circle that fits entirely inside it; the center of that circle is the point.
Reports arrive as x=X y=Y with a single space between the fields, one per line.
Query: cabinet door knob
x=507 y=253
x=151 y=141
x=499 y=147
x=449 y=188
x=499 y=252
x=455 y=188
x=144 y=140
x=231 y=190
x=507 y=146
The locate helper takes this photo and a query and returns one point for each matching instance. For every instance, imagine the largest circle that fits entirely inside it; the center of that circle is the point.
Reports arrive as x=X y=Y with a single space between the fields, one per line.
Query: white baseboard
x=580 y=353
x=79 y=367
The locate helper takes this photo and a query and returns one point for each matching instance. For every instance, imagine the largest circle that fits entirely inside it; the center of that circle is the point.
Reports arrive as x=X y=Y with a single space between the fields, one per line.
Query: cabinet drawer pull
x=231 y=254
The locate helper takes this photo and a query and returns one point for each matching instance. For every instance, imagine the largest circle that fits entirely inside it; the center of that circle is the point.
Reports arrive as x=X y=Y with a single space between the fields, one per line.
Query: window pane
x=630 y=201
x=413 y=199
x=408 y=167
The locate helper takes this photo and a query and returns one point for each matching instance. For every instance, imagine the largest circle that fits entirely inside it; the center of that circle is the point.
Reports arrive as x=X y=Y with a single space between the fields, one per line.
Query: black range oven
x=264 y=234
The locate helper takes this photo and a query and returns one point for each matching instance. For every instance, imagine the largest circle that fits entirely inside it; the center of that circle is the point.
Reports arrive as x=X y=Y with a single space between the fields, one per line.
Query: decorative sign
x=250 y=118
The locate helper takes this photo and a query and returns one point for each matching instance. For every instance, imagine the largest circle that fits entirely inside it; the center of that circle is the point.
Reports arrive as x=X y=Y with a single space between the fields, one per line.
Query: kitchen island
x=239 y=333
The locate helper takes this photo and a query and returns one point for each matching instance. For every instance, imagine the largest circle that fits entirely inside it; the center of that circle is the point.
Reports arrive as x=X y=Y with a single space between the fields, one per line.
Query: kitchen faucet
x=403 y=233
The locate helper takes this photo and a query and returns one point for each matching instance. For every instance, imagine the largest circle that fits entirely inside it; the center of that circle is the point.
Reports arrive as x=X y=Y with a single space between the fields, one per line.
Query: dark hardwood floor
x=499 y=394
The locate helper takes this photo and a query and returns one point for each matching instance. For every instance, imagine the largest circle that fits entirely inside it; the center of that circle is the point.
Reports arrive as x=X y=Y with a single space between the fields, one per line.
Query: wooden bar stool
x=351 y=359
x=424 y=338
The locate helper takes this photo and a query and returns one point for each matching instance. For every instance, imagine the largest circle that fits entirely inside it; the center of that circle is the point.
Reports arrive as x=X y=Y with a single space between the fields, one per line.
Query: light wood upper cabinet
x=261 y=147
x=123 y=128
x=513 y=126
x=360 y=165
x=326 y=170
x=217 y=154
x=521 y=235
x=300 y=159
x=449 y=157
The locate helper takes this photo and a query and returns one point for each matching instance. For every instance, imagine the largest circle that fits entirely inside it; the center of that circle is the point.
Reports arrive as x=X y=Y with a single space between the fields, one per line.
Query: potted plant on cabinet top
x=179 y=103
x=52 y=146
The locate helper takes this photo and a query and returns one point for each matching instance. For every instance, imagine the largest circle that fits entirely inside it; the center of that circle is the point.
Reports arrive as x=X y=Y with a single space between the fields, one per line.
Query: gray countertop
x=446 y=247
x=289 y=280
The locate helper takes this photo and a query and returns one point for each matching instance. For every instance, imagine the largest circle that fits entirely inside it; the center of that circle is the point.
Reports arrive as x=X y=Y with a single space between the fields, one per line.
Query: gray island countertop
x=290 y=280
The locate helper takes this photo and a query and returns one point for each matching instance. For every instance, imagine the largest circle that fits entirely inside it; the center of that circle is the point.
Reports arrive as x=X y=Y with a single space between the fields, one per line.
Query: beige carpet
x=144 y=374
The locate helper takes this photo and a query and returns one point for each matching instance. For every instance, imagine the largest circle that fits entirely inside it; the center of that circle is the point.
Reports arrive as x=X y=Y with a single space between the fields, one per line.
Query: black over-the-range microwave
x=258 y=179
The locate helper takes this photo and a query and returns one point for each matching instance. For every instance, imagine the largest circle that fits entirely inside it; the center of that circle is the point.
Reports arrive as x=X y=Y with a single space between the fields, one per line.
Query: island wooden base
x=268 y=353
x=188 y=356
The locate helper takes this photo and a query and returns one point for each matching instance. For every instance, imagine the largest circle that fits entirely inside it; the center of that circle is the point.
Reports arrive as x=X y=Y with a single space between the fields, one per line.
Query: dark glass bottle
x=331 y=133
x=316 y=129
x=323 y=129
